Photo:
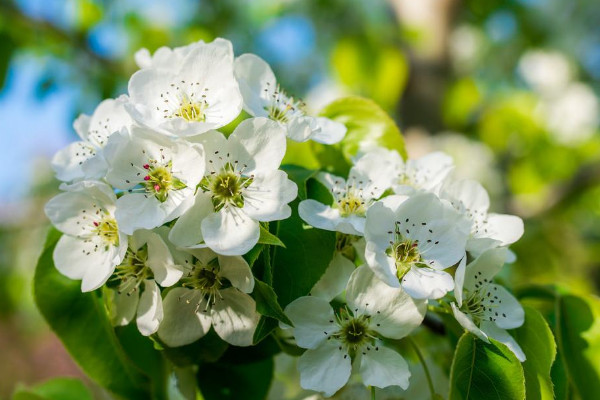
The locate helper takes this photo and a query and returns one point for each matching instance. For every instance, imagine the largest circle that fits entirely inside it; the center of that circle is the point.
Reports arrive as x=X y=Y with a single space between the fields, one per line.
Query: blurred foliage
x=511 y=135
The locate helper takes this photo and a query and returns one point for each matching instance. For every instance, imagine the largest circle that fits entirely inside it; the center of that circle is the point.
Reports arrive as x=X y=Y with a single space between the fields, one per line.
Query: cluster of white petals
x=159 y=206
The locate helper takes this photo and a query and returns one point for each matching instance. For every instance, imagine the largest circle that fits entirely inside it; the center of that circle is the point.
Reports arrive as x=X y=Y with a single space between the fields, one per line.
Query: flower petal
x=150 y=310
x=325 y=369
x=267 y=197
x=230 y=232
x=185 y=320
x=313 y=320
x=483 y=269
x=503 y=337
x=122 y=307
x=502 y=307
x=334 y=280
x=254 y=75
x=234 y=317
x=166 y=272
x=258 y=143
x=324 y=217
x=507 y=228
x=331 y=132
x=427 y=283
x=237 y=271
x=187 y=232
x=466 y=322
x=382 y=367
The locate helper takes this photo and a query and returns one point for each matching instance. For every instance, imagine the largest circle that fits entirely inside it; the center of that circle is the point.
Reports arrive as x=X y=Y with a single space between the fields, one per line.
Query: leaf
x=207 y=349
x=267 y=237
x=265 y=326
x=485 y=371
x=81 y=322
x=578 y=337
x=55 y=389
x=253 y=254
x=267 y=304
x=248 y=381
x=367 y=123
x=537 y=341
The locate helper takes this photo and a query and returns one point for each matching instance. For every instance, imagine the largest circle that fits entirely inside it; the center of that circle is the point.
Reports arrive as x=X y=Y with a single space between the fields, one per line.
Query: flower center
x=344 y=244
x=404 y=251
x=108 y=230
x=282 y=107
x=473 y=306
x=191 y=112
x=354 y=331
x=159 y=180
x=132 y=271
x=206 y=279
x=351 y=204
x=227 y=187
x=186 y=100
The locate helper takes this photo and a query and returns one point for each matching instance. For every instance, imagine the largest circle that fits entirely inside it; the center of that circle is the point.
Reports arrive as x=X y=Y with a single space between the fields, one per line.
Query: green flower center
x=132 y=271
x=191 y=111
x=227 y=187
x=108 y=230
x=351 y=204
x=160 y=181
x=206 y=279
x=354 y=332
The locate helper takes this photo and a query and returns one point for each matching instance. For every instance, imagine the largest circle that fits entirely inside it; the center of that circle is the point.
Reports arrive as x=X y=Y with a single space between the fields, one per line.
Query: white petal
x=254 y=75
x=325 y=369
x=483 y=269
x=459 y=280
x=383 y=267
x=122 y=307
x=427 y=283
x=142 y=58
x=234 y=317
x=98 y=274
x=313 y=320
x=230 y=232
x=334 y=280
x=82 y=125
x=468 y=196
x=377 y=170
x=507 y=228
x=393 y=312
x=258 y=143
x=466 y=322
x=429 y=171
x=331 y=132
x=331 y=182
x=301 y=128
x=238 y=272
x=109 y=117
x=150 y=310
x=139 y=211
x=324 y=217
x=267 y=197
x=186 y=232
x=503 y=337
x=502 y=307
x=166 y=272
x=184 y=319
x=68 y=162
x=383 y=367
x=188 y=162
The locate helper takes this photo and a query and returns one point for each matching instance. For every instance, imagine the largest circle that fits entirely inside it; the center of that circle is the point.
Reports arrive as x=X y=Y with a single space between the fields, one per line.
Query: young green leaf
x=487 y=371
x=267 y=237
x=55 y=389
x=267 y=304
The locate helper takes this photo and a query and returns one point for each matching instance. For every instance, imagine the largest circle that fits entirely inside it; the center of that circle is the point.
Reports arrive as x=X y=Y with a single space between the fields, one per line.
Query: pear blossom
x=83 y=159
x=367 y=181
x=168 y=58
x=488 y=230
x=353 y=336
x=92 y=244
x=158 y=176
x=214 y=292
x=263 y=97
x=411 y=240
x=242 y=186
x=147 y=264
x=484 y=308
x=426 y=173
x=196 y=94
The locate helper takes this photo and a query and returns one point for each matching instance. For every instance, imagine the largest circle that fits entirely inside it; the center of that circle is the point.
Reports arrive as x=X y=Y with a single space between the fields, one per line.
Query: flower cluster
x=159 y=206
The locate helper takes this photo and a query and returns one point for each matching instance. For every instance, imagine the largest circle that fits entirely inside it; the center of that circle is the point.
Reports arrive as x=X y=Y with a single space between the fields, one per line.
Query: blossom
x=92 y=244
x=198 y=93
x=147 y=264
x=263 y=97
x=213 y=292
x=242 y=186
x=484 y=308
x=158 y=176
x=167 y=58
x=411 y=240
x=367 y=180
x=353 y=335
x=422 y=174
x=83 y=159
x=487 y=229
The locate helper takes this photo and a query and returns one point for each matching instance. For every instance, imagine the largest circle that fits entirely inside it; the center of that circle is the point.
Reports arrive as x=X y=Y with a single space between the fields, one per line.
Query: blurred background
x=508 y=88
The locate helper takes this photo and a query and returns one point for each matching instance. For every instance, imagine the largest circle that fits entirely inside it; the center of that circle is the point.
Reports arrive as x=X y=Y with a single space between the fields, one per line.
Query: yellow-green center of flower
x=160 y=181
x=191 y=111
x=227 y=187
x=132 y=271
x=351 y=204
x=206 y=279
x=108 y=230
x=354 y=331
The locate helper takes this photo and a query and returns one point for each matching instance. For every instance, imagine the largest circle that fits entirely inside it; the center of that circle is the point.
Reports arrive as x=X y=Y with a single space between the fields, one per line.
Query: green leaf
x=485 y=371
x=267 y=304
x=253 y=254
x=578 y=337
x=55 y=389
x=81 y=322
x=207 y=349
x=267 y=237
x=366 y=122
x=248 y=381
x=265 y=326
x=537 y=342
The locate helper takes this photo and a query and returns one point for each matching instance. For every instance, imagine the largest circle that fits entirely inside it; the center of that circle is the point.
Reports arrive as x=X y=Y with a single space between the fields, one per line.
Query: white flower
x=167 y=58
x=488 y=230
x=264 y=98
x=213 y=293
x=147 y=262
x=367 y=180
x=422 y=174
x=354 y=335
x=410 y=241
x=92 y=244
x=334 y=280
x=198 y=93
x=484 y=308
x=83 y=159
x=243 y=186
x=158 y=177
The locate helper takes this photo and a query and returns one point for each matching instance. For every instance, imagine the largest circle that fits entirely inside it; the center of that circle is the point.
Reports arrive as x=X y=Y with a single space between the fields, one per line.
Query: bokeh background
x=509 y=88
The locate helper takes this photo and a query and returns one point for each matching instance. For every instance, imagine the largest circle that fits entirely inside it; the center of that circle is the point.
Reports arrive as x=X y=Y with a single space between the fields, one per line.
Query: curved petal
x=383 y=267
x=381 y=366
x=334 y=280
x=122 y=307
x=97 y=274
x=234 y=317
x=507 y=228
x=301 y=128
x=267 y=197
x=150 y=310
x=258 y=143
x=503 y=337
x=254 y=76
x=187 y=232
x=501 y=307
x=313 y=320
x=237 y=271
x=138 y=211
x=67 y=162
x=185 y=319
x=75 y=258
x=466 y=322
x=482 y=270
x=427 y=283
x=166 y=272
x=324 y=217
x=230 y=232
x=325 y=369
x=331 y=132
x=394 y=314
